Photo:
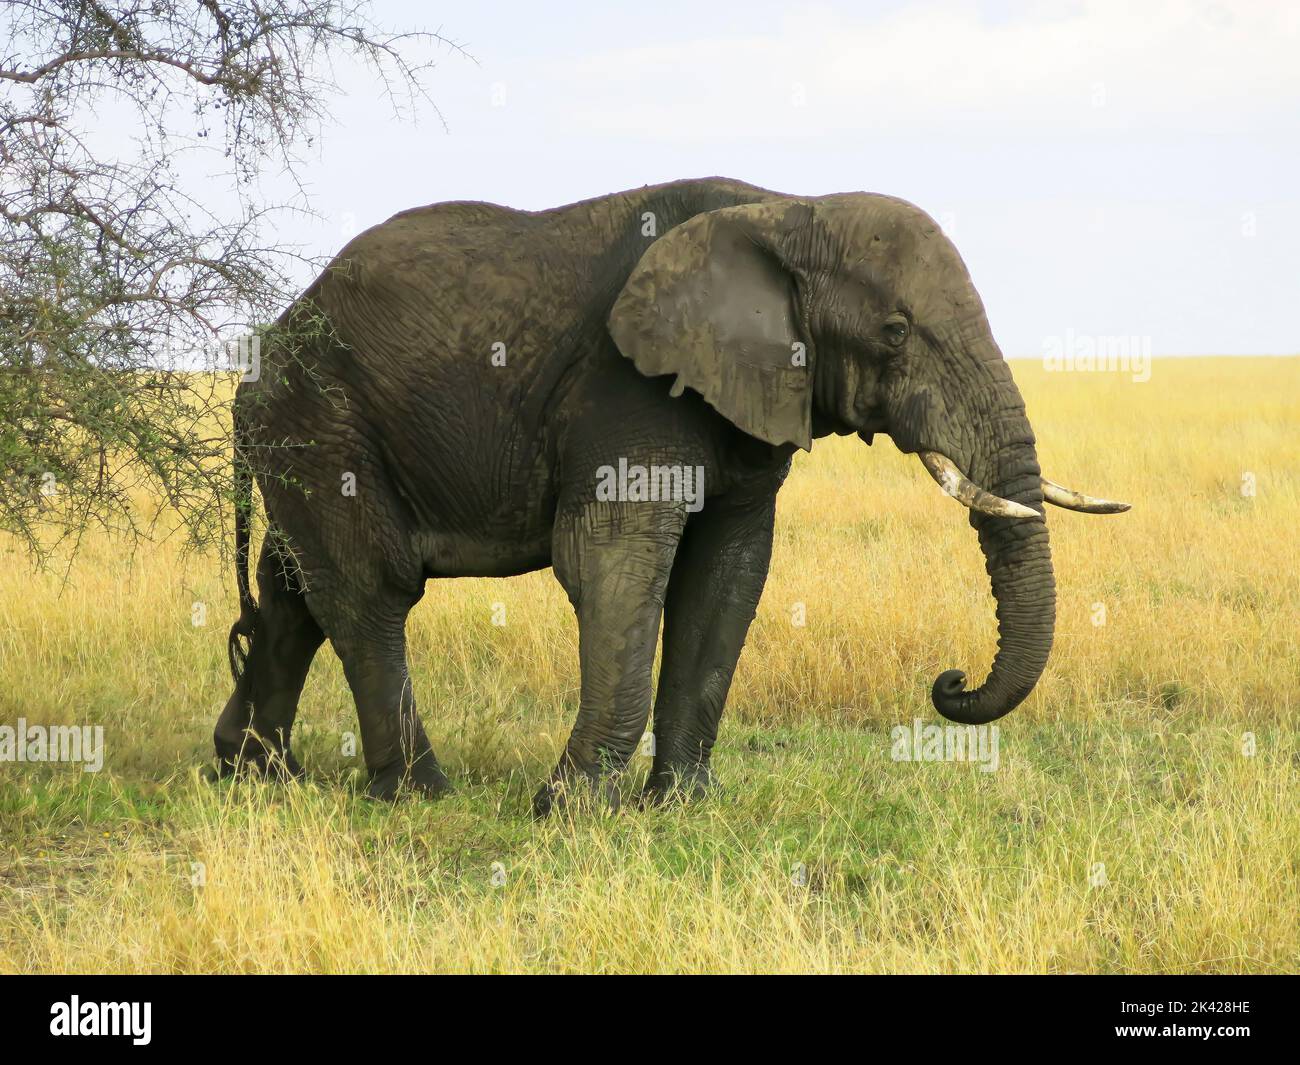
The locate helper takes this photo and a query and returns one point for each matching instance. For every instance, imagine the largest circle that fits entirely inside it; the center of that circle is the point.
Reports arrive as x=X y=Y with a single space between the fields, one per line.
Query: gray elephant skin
x=613 y=389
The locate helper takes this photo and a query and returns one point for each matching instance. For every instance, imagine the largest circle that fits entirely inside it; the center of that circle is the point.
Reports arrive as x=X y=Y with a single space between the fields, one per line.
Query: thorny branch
x=117 y=286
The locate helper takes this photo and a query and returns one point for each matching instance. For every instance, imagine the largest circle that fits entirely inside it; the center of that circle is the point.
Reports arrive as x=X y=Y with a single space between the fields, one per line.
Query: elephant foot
x=424 y=780
x=577 y=794
x=685 y=784
x=251 y=757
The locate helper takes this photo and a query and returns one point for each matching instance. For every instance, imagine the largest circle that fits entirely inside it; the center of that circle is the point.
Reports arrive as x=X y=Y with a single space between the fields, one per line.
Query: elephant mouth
x=875 y=422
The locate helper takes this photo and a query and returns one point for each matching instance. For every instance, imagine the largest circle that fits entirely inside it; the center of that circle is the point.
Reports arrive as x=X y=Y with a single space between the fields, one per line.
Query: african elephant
x=614 y=389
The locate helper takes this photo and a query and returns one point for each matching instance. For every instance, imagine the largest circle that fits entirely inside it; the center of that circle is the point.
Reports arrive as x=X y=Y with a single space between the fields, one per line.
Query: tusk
x=966 y=491
x=1072 y=500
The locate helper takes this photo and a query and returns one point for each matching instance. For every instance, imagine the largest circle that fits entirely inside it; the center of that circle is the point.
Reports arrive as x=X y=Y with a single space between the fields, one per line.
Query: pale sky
x=1106 y=169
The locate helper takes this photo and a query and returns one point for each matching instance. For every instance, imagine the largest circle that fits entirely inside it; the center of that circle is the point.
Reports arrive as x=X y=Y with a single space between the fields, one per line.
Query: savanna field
x=1143 y=817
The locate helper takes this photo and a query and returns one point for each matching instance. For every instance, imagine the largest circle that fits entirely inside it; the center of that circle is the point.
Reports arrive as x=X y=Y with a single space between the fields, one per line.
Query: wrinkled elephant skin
x=614 y=389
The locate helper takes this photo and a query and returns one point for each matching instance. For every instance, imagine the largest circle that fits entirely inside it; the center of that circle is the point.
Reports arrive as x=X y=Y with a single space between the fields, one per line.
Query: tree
x=120 y=292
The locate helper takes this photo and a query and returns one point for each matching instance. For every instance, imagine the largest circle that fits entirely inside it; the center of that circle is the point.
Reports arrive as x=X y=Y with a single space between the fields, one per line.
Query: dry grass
x=1129 y=754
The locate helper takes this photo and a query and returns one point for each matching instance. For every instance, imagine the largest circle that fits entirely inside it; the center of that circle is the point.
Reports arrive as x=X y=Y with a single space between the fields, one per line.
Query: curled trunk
x=1019 y=564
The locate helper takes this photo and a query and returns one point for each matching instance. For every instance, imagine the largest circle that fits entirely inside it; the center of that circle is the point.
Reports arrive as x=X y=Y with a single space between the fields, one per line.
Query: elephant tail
x=246 y=625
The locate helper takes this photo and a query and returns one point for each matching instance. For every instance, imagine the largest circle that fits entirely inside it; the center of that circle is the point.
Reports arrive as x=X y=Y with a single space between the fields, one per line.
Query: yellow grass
x=1125 y=829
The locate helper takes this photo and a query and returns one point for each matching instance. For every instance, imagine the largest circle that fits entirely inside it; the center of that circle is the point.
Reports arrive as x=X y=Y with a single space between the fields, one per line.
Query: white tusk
x=1072 y=500
x=967 y=492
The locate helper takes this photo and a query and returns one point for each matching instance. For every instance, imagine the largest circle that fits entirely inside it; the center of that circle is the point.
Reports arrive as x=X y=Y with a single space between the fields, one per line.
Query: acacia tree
x=118 y=288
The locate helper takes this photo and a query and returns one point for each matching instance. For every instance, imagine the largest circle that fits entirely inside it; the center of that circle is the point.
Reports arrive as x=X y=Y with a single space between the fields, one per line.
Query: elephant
x=614 y=389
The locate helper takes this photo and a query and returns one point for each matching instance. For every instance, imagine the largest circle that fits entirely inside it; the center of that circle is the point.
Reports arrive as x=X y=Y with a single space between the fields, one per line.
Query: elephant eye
x=895 y=330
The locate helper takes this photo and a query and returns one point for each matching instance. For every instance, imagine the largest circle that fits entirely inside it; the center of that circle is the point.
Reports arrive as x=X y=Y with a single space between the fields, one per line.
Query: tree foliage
x=120 y=289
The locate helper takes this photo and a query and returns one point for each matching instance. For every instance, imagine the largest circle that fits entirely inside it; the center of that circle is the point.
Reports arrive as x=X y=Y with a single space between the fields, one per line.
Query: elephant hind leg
x=368 y=634
x=398 y=754
x=362 y=578
x=254 y=728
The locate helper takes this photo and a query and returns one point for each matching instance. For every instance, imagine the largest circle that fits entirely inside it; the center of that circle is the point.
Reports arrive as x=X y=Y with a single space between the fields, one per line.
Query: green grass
x=821 y=854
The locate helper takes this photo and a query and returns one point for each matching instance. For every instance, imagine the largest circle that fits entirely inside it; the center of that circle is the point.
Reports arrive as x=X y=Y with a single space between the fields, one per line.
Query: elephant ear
x=712 y=302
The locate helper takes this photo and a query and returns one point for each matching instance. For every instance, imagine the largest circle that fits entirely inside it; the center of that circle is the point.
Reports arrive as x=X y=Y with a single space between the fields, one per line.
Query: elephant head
x=855 y=313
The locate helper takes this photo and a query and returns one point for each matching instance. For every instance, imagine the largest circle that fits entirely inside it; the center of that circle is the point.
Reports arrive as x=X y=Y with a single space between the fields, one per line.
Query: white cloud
x=1063 y=66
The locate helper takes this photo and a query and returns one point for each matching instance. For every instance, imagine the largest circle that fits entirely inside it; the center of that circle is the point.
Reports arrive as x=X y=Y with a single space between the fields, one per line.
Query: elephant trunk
x=1019 y=564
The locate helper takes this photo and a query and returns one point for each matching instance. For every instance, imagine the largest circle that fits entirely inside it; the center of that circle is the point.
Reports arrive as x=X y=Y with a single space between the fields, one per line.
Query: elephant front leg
x=713 y=593
x=613 y=559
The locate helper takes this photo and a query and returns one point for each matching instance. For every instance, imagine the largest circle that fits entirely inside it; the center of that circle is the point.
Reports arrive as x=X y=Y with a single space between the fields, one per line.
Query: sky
x=1105 y=169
